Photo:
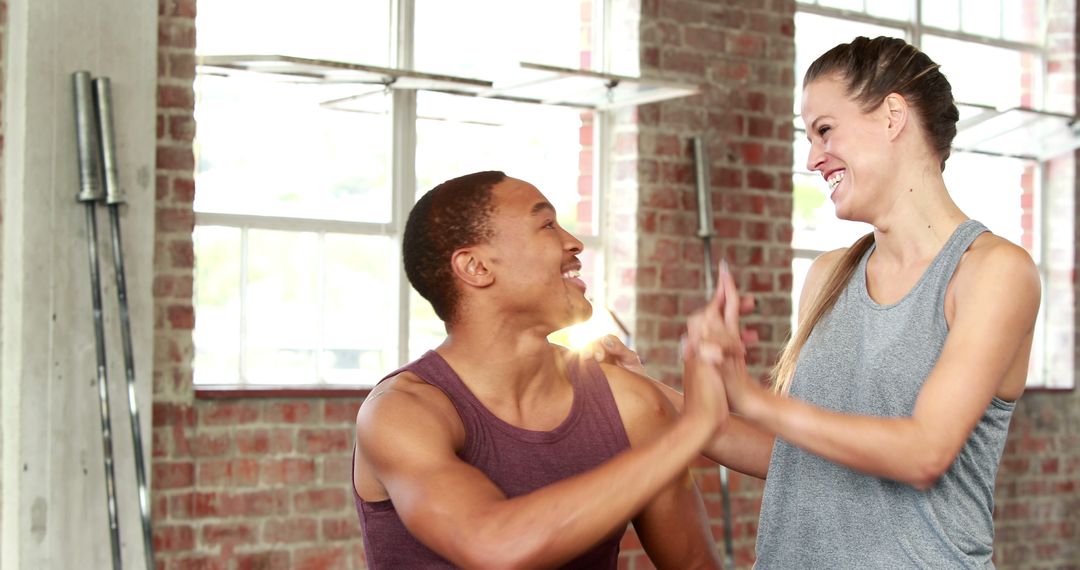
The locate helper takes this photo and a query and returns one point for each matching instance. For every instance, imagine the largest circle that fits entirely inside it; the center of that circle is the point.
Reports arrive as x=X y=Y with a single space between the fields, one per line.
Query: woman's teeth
x=572 y=274
x=835 y=179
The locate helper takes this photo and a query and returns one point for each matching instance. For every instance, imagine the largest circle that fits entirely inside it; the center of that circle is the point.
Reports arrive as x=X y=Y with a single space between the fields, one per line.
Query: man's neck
x=510 y=367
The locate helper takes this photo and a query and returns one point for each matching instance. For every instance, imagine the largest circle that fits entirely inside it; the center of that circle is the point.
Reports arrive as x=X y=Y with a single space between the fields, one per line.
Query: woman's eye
x=823 y=129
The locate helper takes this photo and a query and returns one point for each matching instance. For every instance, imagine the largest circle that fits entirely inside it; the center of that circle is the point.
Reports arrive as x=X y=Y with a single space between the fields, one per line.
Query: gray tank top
x=871 y=359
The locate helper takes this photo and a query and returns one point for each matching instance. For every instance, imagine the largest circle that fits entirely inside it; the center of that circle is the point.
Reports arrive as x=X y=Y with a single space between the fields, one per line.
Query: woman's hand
x=715 y=333
x=612 y=350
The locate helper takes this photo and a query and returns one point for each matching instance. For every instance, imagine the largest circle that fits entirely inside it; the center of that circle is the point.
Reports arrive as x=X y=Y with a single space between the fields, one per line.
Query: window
x=303 y=187
x=1005 y=187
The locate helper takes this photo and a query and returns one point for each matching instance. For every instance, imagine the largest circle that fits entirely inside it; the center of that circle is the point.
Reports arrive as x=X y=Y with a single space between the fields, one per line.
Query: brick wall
x=263 y=483
x=1038 y=488
x=237 y=484
x=742 y=55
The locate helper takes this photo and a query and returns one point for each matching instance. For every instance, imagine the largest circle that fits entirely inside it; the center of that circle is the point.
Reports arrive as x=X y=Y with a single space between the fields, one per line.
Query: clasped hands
x=715 y=378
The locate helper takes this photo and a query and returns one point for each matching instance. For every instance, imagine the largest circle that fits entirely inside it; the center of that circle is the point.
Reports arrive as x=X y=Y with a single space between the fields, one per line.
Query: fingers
x=747 y=304
x=731 y=298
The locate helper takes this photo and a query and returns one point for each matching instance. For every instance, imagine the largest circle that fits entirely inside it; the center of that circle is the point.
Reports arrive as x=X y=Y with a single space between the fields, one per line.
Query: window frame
x=403 y=183
x=914 y=30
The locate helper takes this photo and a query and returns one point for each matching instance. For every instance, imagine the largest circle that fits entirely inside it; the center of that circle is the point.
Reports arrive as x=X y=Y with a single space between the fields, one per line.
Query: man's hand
x=610 y=349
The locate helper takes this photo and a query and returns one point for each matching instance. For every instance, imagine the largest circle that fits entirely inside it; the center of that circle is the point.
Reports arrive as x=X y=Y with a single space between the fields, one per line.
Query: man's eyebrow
x=540 y=206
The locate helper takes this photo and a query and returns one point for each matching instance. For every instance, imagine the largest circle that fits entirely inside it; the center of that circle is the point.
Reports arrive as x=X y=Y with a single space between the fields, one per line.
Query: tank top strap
x=961 y=239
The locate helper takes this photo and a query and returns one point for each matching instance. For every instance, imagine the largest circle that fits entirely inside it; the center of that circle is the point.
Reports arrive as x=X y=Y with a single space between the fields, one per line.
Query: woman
x=892 y=401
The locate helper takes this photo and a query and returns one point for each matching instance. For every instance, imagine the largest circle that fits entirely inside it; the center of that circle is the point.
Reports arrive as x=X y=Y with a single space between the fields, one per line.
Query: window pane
x=1023 y=21
x=345 y=30
x=539 y=144
x=889 y=9
x=989 y=189
x=481 y=41
x=426 y=330
x=359 y=339
x=270 y=148
x=943 y=14
x=815 y=35
x=282 y=294
x=217 y=305
x=964 y=64
x=982 y=17
x=853 y=5
x=799 y=268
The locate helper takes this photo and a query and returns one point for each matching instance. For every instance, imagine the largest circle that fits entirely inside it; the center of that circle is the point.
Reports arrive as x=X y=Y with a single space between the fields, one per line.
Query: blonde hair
x=822 y=303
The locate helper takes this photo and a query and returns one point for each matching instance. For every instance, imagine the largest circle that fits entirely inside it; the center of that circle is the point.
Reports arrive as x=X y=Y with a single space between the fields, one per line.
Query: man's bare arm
x=455 y=510
x=673 y=527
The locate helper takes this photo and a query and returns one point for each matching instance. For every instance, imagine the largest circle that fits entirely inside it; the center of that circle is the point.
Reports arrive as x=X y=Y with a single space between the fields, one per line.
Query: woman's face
x=848 y=147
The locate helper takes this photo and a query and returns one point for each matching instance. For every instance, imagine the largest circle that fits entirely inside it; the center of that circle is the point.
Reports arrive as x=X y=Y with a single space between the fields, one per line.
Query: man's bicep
x=435 y=493
x=674 y=528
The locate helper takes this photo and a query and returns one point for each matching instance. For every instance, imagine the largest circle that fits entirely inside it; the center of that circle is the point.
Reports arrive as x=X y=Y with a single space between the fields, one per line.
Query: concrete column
x=54 y=507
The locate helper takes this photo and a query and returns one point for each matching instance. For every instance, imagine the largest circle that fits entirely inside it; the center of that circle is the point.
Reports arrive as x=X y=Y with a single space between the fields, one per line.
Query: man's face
x=534 y=259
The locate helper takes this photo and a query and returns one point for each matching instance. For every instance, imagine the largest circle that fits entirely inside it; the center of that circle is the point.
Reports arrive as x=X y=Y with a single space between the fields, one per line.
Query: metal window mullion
x=286 y=224
x=403 y=155
x=320 y=317
x=241 y=362
x=915 y=27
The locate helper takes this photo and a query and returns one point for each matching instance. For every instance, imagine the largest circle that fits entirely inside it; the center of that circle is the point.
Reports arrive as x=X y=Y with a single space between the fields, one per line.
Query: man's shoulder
x=404 y=398
x=643 y=407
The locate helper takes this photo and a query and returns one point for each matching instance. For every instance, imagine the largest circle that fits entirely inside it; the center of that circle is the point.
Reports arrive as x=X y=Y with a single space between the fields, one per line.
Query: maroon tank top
x=517 y=460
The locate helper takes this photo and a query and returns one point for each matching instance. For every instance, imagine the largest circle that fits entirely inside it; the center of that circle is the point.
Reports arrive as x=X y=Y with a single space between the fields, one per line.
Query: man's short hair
x=452 y=215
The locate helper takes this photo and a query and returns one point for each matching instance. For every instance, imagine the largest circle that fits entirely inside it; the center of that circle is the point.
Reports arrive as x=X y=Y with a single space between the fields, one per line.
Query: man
x=500 y=450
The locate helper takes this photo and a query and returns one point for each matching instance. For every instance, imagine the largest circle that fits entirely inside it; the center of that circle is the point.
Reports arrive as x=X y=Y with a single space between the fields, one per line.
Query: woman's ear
x=898 y=112
x=470 y=266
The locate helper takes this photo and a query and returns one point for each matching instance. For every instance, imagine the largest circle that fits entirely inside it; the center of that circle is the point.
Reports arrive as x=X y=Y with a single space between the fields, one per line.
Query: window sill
x=226 y=392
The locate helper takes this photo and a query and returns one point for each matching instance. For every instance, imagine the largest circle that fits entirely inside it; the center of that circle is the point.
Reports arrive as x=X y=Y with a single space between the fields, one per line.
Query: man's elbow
x=495 y=551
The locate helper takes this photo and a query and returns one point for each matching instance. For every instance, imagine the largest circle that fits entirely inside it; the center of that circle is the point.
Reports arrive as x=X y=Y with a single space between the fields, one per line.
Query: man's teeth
x=572 y=274
x=835 y=179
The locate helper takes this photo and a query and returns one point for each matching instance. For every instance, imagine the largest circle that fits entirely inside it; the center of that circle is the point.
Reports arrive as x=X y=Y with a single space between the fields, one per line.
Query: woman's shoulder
x=995 y=265
x=992 y=253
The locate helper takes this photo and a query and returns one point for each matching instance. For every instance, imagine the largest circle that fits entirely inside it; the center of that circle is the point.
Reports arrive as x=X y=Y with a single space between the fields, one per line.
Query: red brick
x=291 y=530
x=320 y=500
x=229 y=413
x=340 y=411
x=181 y=128
x=344 y=528
x=322 y=558
x=182 y=254
x=288 y=471
x=173 y=475
x=289 y=412
x=746 y=45
x=198 y=562
x=173 y=158
x=176 y=33
x=175 y=219
x=181 y=317
x=337 y=469
x=228 y=533
x=173 y=538
x=183 y=190
x=175 y=97
x=228 y=472
x=210 y=444
x=275 y=560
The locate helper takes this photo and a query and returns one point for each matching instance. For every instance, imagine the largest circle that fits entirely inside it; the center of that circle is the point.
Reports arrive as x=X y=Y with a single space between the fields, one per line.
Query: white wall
x=54 y=509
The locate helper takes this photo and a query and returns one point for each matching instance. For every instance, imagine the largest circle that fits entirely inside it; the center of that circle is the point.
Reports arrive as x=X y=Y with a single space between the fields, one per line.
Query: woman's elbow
x=928 y=469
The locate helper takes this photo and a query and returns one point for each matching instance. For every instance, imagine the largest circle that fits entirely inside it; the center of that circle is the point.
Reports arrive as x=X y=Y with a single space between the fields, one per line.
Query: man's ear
x=470 y=266
x=898 y=113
